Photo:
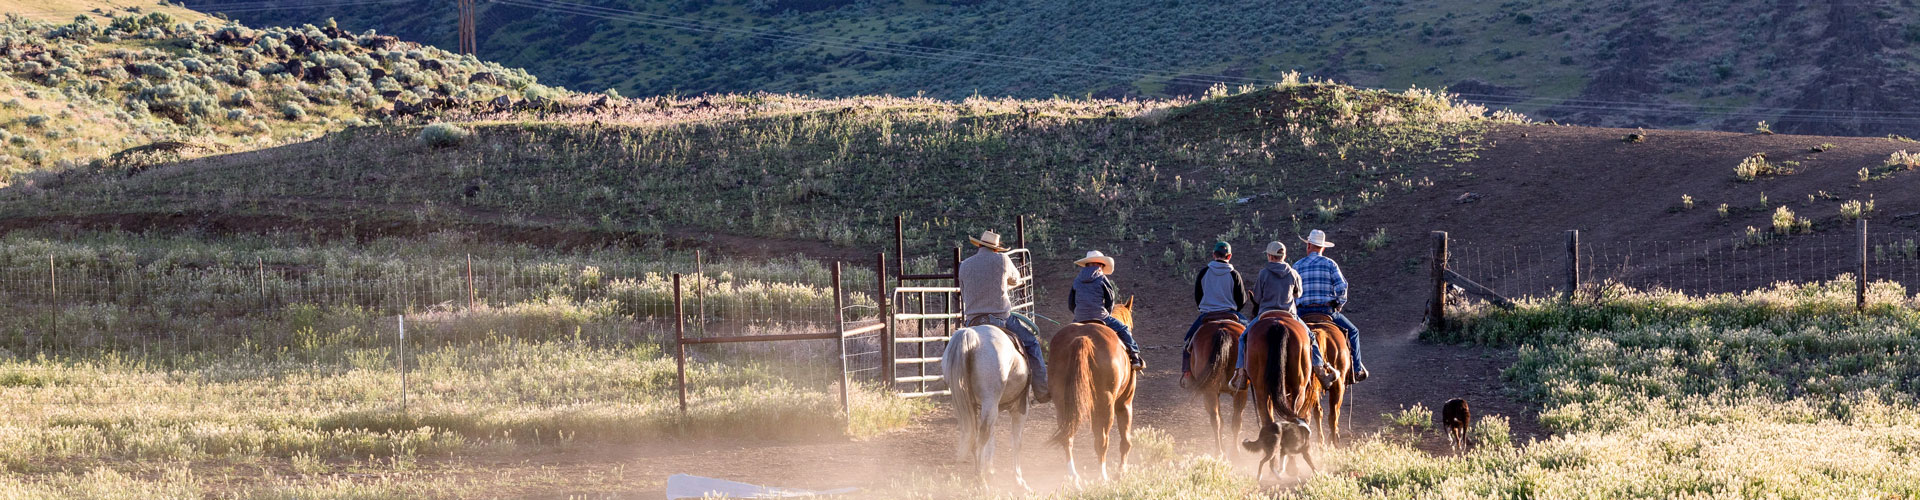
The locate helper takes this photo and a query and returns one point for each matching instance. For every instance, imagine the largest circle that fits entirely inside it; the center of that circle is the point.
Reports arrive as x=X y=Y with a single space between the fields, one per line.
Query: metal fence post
x=700 y=287
x=886 y=317
x=840 y=326
x=53 y=313
x=472 y=296
x=1573 y=262
x=1860 y=282
x=679 y=344
x=401 y=350
x=1437 y=311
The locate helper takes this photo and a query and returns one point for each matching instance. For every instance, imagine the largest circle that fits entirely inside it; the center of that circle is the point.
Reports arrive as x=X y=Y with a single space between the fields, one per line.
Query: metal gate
x=924 y=315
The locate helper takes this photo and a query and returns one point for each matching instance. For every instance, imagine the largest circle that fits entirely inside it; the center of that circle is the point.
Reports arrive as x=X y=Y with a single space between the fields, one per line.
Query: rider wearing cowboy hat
x=1324 y=291
x=985 y=279
x=1091 y=299
x=1219 y=291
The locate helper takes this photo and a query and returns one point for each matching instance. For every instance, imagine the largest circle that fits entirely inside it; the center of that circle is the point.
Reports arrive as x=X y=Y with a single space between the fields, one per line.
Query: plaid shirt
x=1320 y=281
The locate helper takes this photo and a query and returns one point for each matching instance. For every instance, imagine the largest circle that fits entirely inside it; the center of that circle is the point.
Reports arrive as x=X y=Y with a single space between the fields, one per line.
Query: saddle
x=1274 y=315
x=1311 y=318
x=1219 y=316
x=976 y=320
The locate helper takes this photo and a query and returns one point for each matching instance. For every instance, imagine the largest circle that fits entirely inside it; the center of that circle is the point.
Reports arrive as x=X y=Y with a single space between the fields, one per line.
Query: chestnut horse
x=1215 y=347
x=1092 y=382
x=1277 y=366
x=1333 y=350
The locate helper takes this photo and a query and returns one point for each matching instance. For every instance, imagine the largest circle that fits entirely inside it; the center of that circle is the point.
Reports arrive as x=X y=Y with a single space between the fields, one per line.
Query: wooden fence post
x=1573 y=263
x=1860 y=282
x=840 y=325
x=679 y=343
x=401 y=350
x=1437 y=310
x=53 y=286
x=886 y=317
x=1020 y=230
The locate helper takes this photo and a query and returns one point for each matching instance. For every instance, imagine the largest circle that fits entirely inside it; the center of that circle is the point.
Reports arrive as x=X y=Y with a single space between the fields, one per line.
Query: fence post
x=1573 y=262
x=402 y=361
x=840 y=325
x=1860 y=282
x=679 y=344
x=472 y=296
x=262 y=262
x=900 y=246
x=53 y=313
x=886 y=318
x=1020 y=230
x=700 y=286
x=1437 y=310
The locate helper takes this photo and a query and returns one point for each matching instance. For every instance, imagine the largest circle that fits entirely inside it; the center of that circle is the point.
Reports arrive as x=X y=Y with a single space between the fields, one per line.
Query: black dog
x=1457 y=418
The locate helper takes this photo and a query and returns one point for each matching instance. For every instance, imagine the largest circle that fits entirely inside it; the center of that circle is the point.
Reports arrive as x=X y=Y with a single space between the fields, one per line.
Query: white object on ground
x=685 y=486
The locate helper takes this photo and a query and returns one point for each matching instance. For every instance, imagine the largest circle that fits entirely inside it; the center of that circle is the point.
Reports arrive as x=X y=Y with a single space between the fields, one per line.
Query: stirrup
x=1239 y=380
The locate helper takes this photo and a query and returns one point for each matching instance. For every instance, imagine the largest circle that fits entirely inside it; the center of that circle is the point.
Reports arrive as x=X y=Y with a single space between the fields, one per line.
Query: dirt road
x=1406 y=371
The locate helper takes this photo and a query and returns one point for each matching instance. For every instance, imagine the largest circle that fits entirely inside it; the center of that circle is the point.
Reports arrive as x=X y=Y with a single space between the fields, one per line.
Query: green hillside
x=131 y=87
x=836 y=170
x=1741 y=62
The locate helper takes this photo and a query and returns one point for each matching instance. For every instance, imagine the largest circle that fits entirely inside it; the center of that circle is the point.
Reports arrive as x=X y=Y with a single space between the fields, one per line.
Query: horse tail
x=1074 y=387
x=1221 y=358
x=1277 y=364
x=956 y=366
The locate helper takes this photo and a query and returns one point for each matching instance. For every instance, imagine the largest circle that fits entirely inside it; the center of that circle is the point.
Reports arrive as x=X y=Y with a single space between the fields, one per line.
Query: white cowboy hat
x=1276 y=249
x=1317 y=238
x=1094 y=256
x=988 y=239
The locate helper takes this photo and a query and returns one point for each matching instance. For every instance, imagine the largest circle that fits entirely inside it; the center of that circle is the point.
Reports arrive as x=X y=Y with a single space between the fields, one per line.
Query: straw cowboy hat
x=1095 y=257
x=988 y=239
x=1277 y=249
x=1317 y=238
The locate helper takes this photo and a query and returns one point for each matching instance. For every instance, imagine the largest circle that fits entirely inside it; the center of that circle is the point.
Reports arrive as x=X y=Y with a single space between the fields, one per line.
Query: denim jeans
x=1126 y=334
x=1241 y=364
x=1340 y=320
x=1185 y=364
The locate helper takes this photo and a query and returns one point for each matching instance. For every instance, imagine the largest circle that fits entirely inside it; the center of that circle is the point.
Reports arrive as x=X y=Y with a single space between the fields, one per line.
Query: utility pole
x=469 y=42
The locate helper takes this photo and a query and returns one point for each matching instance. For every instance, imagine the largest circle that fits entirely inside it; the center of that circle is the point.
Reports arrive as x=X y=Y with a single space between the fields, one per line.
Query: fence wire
x=1689 y=266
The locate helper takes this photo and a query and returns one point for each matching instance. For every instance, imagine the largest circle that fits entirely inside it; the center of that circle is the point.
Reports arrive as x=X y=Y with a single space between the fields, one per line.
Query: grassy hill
x=121 y=88
x=1743 y=62
x=837 y=170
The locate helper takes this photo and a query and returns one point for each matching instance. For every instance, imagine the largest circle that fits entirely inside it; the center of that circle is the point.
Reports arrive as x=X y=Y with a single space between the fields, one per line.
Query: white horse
x=986 y=373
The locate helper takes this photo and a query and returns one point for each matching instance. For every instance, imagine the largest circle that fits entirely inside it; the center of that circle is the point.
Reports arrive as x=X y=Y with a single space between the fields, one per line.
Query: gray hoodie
x=1091 y=297
x=1276 y=288
x=1218 y=288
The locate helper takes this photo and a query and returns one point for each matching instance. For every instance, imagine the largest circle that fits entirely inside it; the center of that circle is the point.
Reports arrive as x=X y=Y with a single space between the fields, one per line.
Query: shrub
x=1822 y=148
x=1686 y=201
x=1491 y=431
x=292 y=111
x=1377 y=241
x=1756 y=166
x=1784 y=222
x=441 y=135
x=1902 y=160
x=1763 y=128
x=1854 y=209
x=36 y=121
x=1416 y=419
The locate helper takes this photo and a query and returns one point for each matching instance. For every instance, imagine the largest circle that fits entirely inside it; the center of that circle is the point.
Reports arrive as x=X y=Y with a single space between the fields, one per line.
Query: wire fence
x=528 y=335
x=1543 y=268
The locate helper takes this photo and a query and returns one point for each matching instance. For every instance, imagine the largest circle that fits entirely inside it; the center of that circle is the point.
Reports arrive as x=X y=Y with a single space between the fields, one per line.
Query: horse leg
x=1333 y=413
x=1102 y=431
x=1019 y=419
x=1239 y=405
x=1124 y=413
x=983 y=427
x=1212 y=404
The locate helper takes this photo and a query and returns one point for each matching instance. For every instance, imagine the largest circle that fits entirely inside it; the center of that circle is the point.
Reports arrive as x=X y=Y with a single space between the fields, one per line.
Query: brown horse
x=1092 y=382
x=1277 y=366
x=1215 y=346
x=1333 y=350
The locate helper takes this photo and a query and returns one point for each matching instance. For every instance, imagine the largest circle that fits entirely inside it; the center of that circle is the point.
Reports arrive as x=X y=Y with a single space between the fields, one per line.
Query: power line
x=1069 y=67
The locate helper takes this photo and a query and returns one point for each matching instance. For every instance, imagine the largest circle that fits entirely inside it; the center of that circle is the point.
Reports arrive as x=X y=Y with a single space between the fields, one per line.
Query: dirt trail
x=1406 y=372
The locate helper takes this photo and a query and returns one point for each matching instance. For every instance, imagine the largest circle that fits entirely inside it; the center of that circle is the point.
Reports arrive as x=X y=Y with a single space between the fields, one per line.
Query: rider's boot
x=1138 y=363
x=1037 y=373
x=1239 y=380
x=1186 y=371
x=1358 y=374
x=1325 y=374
